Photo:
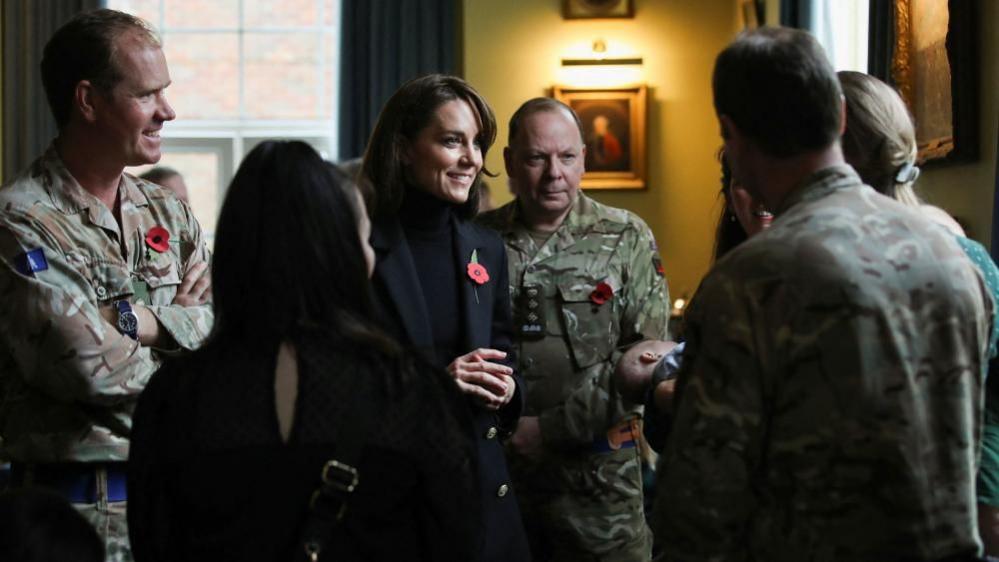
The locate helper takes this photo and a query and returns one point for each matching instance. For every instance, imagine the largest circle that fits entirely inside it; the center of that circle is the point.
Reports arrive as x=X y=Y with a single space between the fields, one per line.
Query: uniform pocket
x=162 y=280
x=590 y=327
x=109 y=281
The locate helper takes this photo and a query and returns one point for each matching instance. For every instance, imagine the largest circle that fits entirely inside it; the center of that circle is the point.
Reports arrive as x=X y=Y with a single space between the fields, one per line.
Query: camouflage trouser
x=110 y=521
x=584 y=508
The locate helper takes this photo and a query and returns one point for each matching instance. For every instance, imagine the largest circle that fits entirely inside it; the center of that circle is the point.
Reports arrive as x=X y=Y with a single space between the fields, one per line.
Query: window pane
x=281 y=14
x=841 y=28
x=201 y=175
x=282 y=75
x=322 y=145
x=148 y=10
x=204 y=68
x=201 y=13
x=330 y=12
x=331 y=75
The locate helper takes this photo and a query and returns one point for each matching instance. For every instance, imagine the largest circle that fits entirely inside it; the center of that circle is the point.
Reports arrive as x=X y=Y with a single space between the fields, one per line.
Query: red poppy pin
x=476 y=271
x=158 y=238
x=602 y=293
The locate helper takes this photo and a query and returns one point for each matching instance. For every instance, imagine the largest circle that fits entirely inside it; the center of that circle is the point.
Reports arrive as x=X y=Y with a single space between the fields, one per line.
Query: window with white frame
x=243 y=71
x=841 y=26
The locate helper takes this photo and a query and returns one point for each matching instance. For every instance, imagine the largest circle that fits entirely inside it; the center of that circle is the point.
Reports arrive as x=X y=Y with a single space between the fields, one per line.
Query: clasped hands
x=479 y=376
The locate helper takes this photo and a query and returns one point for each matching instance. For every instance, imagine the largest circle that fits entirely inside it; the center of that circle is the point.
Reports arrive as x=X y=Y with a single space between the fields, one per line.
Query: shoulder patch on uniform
x=27 y=263
x=658 y=265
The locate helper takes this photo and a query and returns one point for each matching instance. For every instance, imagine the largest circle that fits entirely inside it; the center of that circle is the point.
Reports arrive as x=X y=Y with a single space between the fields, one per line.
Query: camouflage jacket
x=68 y=379
x=596 y=247
x=829 y=404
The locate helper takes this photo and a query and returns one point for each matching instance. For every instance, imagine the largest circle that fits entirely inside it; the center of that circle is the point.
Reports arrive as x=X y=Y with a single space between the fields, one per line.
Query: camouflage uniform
x=829 y=405
x=68 y=379
x=584 y=497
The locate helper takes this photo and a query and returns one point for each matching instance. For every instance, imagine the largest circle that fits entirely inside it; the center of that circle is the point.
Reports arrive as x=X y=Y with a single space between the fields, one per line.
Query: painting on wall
x=934 y=67
x=614 y=132
x=591 y=9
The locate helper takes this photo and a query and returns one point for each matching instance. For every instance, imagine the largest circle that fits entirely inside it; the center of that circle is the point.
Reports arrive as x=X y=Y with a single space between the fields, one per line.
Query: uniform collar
x=819 y=184
x=516 y=232
x=69 y=197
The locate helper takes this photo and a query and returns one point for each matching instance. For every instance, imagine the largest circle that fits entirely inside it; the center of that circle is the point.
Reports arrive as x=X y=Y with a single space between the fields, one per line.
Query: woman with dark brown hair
x=441 y=281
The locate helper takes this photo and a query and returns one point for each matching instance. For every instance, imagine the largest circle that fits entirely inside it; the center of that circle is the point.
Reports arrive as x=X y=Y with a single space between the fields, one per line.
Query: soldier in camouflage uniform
x=585 y=281
x=81 y=243
x=829 y=404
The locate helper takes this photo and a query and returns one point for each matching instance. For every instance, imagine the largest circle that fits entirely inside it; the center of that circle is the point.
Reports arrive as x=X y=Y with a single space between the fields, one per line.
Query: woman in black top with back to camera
x=229 y=441
x=441 y=281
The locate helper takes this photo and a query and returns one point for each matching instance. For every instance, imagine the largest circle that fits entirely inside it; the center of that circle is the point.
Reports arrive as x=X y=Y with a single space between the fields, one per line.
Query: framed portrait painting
x=614 y=132
x=934 y=65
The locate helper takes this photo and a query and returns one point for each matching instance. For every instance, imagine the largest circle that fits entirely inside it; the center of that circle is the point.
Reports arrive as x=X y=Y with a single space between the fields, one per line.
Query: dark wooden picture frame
x=613 y=122
x=938 y=82
x=595 y=9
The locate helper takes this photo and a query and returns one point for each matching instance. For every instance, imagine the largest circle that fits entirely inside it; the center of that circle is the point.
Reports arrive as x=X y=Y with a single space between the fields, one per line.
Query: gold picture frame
x=597 y=9
x=933 y=66
x=613 y=121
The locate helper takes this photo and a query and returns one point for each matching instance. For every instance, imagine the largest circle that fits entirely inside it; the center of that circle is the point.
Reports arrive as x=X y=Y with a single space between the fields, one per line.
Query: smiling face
x=545 y=165
x=129 y=118
x=445 y=157
x=750 y=213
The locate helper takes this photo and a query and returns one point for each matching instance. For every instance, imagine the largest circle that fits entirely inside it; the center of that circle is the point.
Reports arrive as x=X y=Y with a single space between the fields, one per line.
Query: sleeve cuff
x=508 y=415
x=187 y=326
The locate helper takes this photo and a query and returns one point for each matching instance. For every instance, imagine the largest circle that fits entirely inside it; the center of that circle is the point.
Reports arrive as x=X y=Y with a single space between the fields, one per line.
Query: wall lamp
x=600 y=47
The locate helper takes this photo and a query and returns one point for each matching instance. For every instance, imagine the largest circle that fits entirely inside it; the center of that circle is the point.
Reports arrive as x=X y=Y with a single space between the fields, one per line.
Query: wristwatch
x=128 y=322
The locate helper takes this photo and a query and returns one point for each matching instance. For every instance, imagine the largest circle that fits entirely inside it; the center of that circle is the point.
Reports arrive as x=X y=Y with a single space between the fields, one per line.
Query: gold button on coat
x=503 y=489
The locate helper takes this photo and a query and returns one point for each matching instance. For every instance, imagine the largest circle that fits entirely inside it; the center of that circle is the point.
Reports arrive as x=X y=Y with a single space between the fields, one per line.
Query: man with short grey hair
x=586 y=281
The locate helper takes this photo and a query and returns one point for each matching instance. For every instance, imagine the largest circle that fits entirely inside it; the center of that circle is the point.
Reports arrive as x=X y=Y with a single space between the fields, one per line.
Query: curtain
x=28 y=123
x=797 y=13
x=383 y=44
x=881 y=40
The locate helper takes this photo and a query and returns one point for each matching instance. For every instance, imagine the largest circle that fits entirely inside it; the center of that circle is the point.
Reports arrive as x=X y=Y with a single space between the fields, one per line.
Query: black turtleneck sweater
x=426 y=222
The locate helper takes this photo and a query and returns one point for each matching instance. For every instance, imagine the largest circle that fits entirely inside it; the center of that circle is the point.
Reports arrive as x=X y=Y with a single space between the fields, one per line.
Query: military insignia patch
x=658 y=265
x=531 y=323
x=28 y=263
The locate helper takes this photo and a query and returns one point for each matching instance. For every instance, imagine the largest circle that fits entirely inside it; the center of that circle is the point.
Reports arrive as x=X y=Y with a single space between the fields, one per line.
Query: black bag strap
x=328 y=504
x=338 y=479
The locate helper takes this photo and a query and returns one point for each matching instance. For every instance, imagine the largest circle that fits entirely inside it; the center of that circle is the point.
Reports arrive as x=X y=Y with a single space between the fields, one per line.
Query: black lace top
x=211 y=479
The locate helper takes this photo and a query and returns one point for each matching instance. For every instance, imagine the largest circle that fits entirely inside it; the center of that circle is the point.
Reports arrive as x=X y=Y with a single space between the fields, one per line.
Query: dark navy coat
x=486 y=322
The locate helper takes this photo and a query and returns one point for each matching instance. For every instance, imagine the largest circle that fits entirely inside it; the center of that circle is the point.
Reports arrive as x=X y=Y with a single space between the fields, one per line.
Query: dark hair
x=38 y=525
x=777 y=86
x=536 y=105
x=880 y=138
x=86 y=48
x=159 y=173
x=729 y=232
x=405 y=114
x=288 y=258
